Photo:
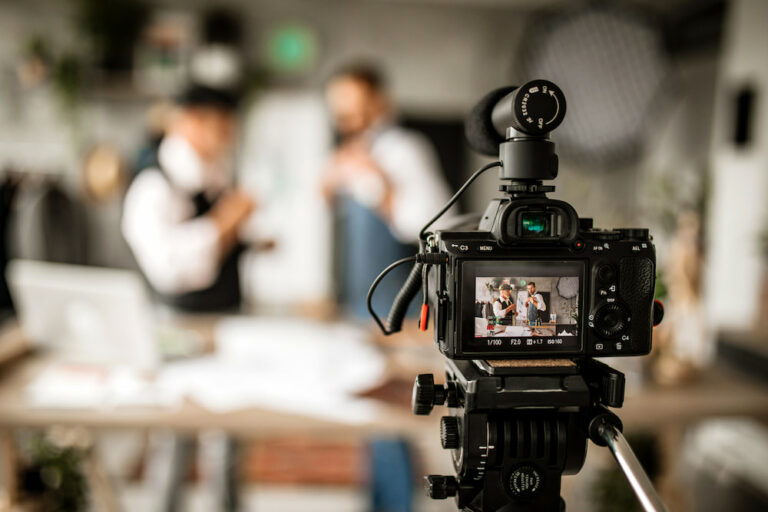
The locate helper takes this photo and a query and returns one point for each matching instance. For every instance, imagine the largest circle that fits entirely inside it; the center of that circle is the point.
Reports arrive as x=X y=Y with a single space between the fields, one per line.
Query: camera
x=525 y=296
x=535 y=280
x=571 y=290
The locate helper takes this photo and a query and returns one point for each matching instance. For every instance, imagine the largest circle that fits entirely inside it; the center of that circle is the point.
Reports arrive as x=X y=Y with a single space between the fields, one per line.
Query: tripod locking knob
x=440 y=487
x=426 y=394
x=449 y=432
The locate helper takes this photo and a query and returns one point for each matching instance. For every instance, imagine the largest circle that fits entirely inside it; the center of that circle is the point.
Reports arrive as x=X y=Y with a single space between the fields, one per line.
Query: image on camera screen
x=526 y=307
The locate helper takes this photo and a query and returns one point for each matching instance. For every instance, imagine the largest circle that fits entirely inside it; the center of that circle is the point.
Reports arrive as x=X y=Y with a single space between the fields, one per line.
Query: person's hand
x=509 y=308
x=355 y=157
x=232 y=209
x=268 y=244
x=353 y=164
x=229 y=213
x=332 y=178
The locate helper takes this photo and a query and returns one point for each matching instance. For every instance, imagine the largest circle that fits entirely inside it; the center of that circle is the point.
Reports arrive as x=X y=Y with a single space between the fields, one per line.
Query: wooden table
x=252 y=423
x=20 y=366
x=718 y=392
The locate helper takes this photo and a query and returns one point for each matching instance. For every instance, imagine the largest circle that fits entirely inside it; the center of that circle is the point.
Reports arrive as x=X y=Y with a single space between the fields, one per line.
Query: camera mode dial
x=611 y=320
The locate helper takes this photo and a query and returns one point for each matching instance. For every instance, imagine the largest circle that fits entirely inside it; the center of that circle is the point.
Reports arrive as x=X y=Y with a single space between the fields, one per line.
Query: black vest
x=224 y=293
x=510 y=318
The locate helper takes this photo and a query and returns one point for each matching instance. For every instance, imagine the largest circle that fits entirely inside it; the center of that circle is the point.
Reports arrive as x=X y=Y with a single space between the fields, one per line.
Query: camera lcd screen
x=523 y=306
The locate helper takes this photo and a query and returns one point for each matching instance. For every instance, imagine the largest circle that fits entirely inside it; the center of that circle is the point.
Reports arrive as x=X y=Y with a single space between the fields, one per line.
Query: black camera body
x=610 y=278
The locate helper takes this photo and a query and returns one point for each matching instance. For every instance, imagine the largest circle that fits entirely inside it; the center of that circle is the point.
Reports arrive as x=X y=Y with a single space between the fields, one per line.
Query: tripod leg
x=631 y=467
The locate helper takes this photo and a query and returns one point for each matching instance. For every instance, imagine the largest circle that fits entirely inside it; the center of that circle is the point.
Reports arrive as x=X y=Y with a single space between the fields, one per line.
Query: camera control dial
x=605 y=235
x=611 y=320
x=640 y=234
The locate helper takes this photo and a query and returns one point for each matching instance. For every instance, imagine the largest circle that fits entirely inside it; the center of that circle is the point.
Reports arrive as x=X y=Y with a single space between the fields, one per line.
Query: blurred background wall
x=637 y=147
x=440 y=56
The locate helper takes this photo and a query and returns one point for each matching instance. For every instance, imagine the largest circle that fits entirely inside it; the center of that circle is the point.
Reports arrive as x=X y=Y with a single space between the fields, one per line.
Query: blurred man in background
x=182 y=215
x=385 y=182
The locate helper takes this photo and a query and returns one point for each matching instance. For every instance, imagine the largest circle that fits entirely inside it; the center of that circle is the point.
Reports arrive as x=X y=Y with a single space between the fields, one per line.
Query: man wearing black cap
x=182 y=216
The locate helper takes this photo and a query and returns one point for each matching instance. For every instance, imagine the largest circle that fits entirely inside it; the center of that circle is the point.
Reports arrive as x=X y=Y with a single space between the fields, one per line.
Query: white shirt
x=176 y=252
x=498 y=309
x=523 y=310
x=411 y=165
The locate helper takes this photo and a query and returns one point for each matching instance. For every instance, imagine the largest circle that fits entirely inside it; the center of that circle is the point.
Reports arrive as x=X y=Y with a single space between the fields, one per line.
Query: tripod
x=517 y=426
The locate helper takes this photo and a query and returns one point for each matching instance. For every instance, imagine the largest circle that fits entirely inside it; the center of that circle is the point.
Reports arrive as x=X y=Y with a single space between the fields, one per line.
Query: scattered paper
x=64 y=385
x=290 y=364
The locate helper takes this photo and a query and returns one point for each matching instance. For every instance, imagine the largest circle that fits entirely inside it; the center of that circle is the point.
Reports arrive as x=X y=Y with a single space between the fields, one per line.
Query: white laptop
x=85 y=314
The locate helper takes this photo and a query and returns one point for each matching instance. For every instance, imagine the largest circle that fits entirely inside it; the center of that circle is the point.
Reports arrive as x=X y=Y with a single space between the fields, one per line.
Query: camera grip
x=636 y=284
x=403 y=299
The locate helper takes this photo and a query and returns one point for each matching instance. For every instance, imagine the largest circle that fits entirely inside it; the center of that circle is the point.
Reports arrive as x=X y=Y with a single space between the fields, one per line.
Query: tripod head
x=515 y=427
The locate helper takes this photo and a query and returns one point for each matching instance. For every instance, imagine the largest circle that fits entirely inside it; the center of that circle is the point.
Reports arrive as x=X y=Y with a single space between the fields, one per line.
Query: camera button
x=606 y=274
x=610 y=320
